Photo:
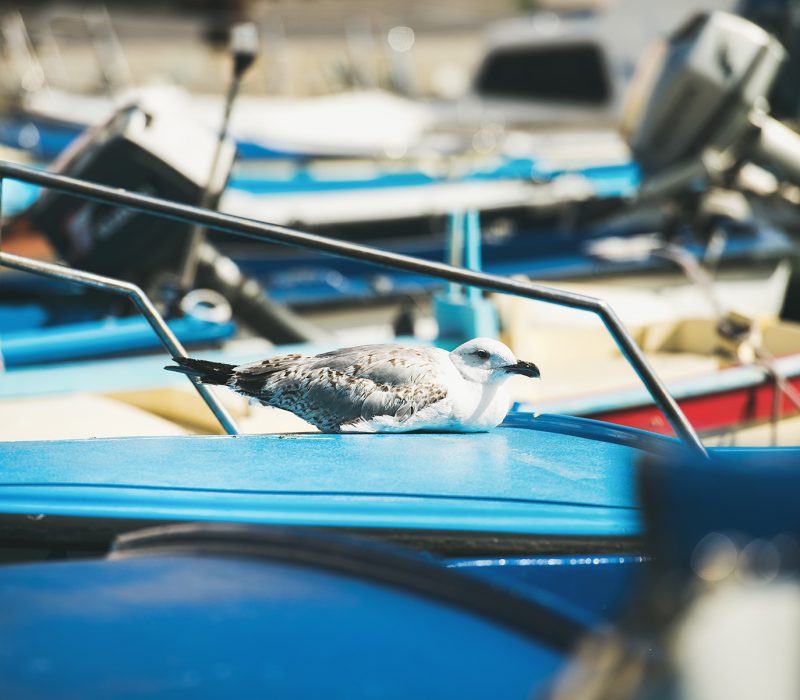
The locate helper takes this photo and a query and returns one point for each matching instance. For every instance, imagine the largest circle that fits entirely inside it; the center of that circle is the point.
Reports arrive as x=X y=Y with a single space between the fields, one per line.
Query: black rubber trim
x=93 y=535
x=358 y=559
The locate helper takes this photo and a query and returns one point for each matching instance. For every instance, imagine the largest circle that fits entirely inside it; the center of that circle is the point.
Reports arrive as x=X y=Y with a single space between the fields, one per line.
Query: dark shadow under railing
x=281 y=234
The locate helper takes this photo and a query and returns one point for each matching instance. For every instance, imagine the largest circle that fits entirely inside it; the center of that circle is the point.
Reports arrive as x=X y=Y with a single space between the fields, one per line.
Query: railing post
x=168 y=339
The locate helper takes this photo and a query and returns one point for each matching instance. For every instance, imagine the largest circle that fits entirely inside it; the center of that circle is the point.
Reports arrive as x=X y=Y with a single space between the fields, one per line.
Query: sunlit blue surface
x=102 y=337
x=17 y=196
x=210 y=627
x=522 y=480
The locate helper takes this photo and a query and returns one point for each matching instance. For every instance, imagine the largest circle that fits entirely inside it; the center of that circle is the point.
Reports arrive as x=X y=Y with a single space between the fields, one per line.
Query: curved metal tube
x=142 y=302
x=281 y=234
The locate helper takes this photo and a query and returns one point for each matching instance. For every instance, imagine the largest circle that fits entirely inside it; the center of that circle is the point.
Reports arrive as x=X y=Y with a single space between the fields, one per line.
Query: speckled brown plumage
x=333 y=389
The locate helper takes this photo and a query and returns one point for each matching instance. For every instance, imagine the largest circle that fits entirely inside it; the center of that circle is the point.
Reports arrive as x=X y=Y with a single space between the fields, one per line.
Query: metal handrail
x=142 y=302
x=281 y=234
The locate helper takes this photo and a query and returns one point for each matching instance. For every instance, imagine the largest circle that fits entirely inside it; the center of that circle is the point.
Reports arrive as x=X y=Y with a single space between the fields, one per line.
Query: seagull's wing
x=393 y=365
x=346 y=385
x=328 y=398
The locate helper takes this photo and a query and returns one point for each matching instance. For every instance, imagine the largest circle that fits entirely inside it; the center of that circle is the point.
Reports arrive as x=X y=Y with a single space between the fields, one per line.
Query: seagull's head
x=486 y=360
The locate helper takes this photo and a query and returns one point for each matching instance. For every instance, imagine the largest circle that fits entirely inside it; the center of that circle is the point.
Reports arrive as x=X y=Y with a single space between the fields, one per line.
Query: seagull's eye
x=481 y=354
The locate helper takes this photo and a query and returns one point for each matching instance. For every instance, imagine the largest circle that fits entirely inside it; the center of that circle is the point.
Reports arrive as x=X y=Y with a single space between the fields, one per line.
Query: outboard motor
x=165 y=156
x=697 y=112
x=139 y=151
x=697 y=104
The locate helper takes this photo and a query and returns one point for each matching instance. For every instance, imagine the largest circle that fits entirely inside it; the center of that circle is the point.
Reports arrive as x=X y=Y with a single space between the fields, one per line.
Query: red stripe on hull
x=710 y=412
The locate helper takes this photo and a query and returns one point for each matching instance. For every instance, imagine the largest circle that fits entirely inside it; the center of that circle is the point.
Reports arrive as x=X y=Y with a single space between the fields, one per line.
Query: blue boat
x=300 y=280
x=334 y=553
x=415 y=565
x=308 y=279
x=515 y=543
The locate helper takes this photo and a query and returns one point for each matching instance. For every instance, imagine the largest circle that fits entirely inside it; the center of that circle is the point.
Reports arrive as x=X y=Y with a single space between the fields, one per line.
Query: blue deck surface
x=512 y=479
x=202 y=627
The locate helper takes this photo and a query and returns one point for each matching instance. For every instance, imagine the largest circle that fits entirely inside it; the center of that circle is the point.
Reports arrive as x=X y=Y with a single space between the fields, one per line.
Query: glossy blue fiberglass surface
x=179 y=627
x=108 y=336
x=17 y=196
x=590 y=589
x=513 y=479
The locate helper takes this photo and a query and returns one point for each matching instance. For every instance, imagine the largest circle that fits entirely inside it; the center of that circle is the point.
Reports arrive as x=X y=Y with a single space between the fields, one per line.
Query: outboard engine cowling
x=697 y=105
x=140 y=151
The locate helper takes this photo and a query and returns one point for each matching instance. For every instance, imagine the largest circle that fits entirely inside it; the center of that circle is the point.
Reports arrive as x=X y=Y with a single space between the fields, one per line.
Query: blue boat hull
x=206 y=627
x=307 y=279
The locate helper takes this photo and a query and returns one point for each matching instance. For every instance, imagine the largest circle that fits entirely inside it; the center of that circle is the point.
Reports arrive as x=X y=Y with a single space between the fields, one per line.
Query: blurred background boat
x=377 y=103
x=564 y=207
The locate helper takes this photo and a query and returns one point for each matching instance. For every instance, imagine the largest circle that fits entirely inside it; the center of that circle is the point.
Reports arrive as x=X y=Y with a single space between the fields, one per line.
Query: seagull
x=379 y=388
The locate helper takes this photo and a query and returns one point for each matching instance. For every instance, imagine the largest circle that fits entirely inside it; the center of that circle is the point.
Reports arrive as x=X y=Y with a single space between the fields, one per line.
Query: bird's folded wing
x=328 y=398
x=394 y=365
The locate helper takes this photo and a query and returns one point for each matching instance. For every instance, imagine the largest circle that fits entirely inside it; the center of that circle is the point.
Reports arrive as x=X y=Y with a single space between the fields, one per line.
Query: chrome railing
x=142 y=303
x=281 y=234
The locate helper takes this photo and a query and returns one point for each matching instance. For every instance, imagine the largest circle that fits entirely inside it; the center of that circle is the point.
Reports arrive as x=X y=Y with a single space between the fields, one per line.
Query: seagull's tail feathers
x=207 y=372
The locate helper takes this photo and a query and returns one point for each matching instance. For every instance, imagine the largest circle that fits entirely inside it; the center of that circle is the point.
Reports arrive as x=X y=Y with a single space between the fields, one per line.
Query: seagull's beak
x=526 y=369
